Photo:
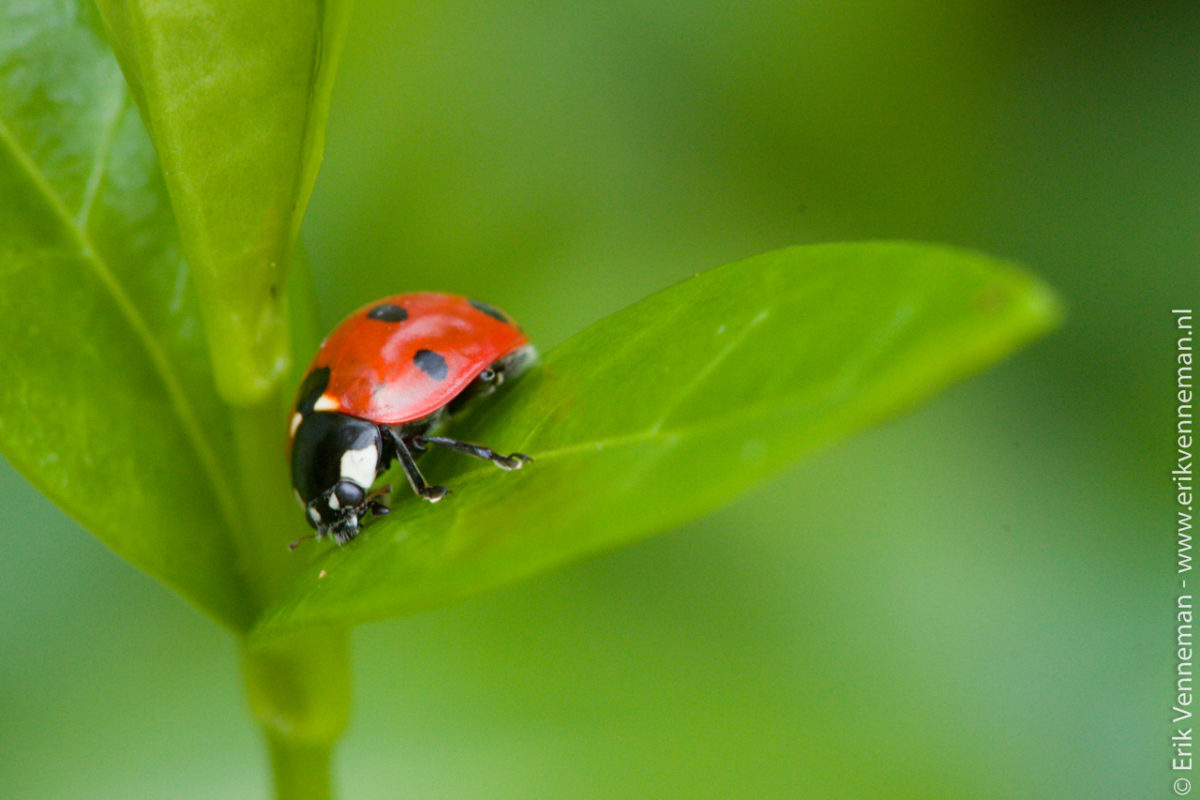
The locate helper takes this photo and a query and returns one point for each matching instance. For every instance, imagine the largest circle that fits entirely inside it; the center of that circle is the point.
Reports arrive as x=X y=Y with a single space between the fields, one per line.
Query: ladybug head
x=334 y=461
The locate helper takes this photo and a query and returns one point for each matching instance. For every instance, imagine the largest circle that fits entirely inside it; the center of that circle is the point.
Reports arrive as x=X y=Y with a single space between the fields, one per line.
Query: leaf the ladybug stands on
x=666 y=410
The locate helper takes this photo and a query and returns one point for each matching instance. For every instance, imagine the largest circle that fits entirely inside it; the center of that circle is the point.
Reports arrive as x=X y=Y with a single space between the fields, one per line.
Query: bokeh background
x=972 y=602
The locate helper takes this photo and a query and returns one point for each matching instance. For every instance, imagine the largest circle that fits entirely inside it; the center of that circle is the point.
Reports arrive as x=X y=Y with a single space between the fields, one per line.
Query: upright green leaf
x=671 y=407
x=106 y=399
x=235 y=93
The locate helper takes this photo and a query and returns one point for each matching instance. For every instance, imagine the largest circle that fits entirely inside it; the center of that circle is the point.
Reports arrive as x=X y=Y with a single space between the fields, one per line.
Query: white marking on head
x=359 y=465
x=314 y=515
x=334 y=503
x=296 y=418
x=325 y=403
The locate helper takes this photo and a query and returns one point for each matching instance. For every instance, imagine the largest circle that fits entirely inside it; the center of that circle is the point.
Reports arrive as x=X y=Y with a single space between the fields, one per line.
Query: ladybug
x=381 y=383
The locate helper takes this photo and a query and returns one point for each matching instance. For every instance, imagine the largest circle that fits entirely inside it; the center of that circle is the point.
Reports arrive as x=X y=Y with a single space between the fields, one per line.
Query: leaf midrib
x=226 y=499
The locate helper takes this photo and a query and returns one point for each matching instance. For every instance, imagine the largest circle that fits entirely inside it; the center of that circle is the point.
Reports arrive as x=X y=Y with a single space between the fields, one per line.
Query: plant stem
x=301 y=772
x=299 y=690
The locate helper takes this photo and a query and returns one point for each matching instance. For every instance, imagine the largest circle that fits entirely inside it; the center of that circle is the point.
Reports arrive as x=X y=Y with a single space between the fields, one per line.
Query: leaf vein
x=670 y=438
x=701 y=374
x=99 y=169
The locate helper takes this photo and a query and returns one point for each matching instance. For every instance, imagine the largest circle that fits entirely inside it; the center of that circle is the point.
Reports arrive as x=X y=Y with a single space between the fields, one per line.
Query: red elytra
x=391 y=367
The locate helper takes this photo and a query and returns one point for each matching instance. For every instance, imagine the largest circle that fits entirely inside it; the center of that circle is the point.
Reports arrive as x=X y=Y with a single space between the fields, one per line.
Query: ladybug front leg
x=409 y=465
x=515 y=461
x=375 y=504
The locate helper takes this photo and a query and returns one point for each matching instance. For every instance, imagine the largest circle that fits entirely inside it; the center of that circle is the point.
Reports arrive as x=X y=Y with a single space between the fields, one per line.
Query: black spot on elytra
x=313 y=387
x=431 y=364
x=388 y=312
x=490 y=310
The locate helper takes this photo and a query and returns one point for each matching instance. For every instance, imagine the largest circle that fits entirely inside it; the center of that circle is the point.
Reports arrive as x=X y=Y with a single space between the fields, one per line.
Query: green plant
x=147 y=394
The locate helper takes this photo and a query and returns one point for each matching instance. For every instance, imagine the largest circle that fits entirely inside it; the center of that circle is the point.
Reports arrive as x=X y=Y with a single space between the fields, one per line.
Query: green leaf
x=235 y=95
x=666 y=410
x=106 y=399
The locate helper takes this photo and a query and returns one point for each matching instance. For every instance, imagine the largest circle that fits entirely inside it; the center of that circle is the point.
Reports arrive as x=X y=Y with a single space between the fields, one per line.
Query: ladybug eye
x=349 y=493
x=487 y=375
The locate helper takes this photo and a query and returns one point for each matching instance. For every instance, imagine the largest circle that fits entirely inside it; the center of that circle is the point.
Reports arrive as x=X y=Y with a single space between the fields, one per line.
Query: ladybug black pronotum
x=381 y=383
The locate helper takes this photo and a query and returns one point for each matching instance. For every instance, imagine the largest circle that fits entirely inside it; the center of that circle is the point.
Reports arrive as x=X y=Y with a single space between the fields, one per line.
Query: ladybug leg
x=409 y=465
x=375 y=504
x=515 y=461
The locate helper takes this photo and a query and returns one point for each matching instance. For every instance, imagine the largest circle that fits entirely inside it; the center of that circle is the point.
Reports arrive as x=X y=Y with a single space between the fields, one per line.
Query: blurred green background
x=973 y=602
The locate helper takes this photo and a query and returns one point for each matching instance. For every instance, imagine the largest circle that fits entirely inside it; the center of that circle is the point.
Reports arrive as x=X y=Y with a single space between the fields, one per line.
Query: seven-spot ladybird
x=385 y=378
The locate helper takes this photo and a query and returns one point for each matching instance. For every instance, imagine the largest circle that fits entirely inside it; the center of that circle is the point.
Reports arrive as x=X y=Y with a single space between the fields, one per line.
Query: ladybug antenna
x=296 y=543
